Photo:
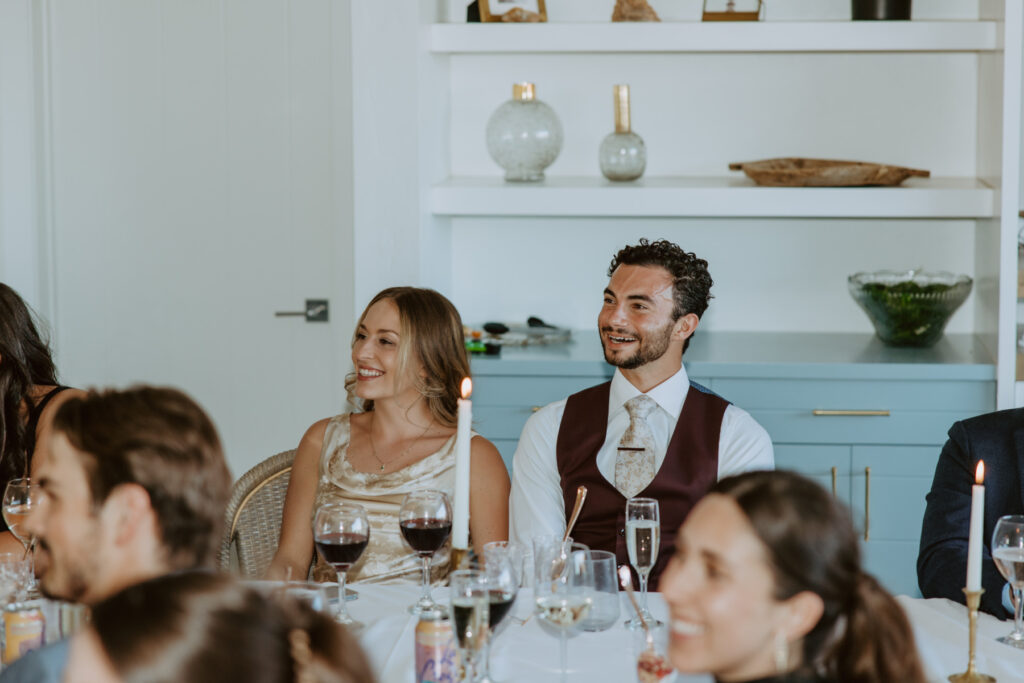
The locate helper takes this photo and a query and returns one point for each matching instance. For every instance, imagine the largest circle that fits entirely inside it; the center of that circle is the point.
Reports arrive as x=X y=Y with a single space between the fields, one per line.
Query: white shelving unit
x=681 y=37
x=938 y=94
x=709 y=197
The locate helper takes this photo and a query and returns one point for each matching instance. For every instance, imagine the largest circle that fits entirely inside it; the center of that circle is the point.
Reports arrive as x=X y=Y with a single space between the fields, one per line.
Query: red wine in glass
x=341 y=550
x=426 y=535
x=500 y=604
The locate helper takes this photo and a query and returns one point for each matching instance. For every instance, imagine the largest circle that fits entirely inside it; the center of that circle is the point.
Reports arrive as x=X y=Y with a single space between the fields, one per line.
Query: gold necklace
x=373 y=447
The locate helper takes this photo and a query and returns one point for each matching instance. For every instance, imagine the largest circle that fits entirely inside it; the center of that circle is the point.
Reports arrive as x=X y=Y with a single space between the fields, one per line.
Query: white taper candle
x=460 y=521
x=974 y=541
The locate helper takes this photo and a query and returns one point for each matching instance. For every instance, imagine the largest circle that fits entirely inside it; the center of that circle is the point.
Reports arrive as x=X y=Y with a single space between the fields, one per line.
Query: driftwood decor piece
x=800 y=172
x=634 y=10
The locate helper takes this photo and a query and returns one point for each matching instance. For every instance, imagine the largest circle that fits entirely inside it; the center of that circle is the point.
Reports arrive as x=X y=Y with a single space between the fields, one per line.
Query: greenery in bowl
x=909 y=308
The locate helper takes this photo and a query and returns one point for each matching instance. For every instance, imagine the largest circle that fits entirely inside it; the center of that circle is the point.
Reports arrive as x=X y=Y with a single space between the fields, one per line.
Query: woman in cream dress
x=409 y=361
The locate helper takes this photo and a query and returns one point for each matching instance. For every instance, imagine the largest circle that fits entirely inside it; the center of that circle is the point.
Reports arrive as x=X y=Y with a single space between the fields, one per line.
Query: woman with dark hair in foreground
x=767 y=585
x=208 y=628
x=29 y=395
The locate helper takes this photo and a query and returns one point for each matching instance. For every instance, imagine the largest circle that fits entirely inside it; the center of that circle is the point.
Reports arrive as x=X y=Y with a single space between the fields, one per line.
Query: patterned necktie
x=634 y=465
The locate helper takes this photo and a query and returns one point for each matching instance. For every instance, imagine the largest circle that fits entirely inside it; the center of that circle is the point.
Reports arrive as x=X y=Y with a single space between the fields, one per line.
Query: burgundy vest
x=690 y=468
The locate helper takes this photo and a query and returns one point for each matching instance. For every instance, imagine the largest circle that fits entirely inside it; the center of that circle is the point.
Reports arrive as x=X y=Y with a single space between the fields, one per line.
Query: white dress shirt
x=536 y=505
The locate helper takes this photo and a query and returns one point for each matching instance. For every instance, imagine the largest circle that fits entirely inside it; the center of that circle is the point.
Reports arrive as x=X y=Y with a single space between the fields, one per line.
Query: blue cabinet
x=862 y=419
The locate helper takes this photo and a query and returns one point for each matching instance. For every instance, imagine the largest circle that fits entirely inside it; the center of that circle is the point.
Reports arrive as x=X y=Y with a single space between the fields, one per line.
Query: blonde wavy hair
x=430 y=333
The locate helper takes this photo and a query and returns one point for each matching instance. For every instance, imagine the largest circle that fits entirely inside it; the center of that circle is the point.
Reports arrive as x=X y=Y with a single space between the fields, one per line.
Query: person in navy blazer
x=998 y=439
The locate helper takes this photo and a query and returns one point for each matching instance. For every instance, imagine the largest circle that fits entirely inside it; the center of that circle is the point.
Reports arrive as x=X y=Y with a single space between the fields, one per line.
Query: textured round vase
x=622 y=156
x=524 y=136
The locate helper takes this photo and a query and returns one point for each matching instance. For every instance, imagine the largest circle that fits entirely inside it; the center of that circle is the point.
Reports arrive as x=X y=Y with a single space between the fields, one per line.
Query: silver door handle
x=316 y=311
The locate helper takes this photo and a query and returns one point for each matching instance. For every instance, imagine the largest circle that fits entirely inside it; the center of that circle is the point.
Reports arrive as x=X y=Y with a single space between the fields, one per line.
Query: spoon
x=627 y=582
x=558 y=565
x=581 y=495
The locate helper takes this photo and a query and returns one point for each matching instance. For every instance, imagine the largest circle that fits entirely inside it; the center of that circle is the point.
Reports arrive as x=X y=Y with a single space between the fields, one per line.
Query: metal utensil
x=626 y=579
x=581 y=495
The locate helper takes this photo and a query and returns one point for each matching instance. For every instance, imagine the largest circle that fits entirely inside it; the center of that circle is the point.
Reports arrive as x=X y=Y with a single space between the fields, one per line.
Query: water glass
x=515 y=553
x=470 y=607
x=1008 y=554
x=652 y=663
x=15 y=577
x=604 y=611
x=310 y=592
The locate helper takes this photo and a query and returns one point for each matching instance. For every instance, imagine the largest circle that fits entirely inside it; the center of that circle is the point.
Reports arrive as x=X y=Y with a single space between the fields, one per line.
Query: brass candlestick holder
x=972 y=675
x=460 y=558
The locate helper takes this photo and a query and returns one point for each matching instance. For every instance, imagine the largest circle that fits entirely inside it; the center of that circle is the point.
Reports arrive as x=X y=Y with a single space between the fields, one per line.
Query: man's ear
x=685 y=326
x=126 y=509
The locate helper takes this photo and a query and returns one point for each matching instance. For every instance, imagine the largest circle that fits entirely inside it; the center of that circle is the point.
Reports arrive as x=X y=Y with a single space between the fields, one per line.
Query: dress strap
x=33 y=421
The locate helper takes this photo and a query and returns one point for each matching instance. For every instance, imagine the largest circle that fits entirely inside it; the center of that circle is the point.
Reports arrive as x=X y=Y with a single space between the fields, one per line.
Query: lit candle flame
x=467 y=387
x=979 y=473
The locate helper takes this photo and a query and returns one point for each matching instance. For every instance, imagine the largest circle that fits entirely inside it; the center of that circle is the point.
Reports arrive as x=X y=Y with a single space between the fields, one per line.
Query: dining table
x=522 y=651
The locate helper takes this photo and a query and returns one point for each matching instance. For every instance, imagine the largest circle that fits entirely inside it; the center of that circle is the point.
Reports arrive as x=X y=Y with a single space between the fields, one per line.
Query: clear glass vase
x=622 y=155
x=524 y=135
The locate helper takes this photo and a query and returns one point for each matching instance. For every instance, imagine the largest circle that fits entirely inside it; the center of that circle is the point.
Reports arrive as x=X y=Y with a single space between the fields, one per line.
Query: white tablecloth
x=527 y=653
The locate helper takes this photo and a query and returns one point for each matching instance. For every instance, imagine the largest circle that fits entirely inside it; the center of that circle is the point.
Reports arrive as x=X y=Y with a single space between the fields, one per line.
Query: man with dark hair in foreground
x=134 y=485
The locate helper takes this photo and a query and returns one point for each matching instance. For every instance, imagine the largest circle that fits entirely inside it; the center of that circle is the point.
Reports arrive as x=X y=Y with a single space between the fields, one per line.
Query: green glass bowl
x=912 y=307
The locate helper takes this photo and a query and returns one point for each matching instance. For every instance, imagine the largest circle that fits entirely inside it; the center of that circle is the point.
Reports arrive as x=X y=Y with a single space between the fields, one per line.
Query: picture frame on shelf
x=731 y=10
x=499 y=10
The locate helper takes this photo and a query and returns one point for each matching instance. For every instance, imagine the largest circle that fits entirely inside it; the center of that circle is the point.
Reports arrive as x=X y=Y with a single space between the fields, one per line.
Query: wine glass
x=502 y=568
x=20 y=498
x=1008 y=553
x=341 y=532
x=470 y=616
x=563 y=591
x=643 y=533
x=426 y=522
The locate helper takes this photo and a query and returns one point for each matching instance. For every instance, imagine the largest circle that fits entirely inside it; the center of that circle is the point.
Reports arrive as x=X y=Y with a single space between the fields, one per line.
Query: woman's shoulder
x=324 y=430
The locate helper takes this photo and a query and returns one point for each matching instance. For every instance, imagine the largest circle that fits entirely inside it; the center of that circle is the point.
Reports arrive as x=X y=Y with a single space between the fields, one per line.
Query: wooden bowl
x=800 y=172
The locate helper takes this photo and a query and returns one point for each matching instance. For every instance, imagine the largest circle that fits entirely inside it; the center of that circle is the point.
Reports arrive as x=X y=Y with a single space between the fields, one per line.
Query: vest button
x=622 y=532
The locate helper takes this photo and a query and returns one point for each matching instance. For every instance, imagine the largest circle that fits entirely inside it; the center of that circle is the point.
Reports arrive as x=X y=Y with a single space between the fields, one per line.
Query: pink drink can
x=436 y=657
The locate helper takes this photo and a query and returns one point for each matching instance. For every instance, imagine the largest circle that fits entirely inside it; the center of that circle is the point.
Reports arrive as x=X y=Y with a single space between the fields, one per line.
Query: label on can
x=436 y=657
x=24 y=630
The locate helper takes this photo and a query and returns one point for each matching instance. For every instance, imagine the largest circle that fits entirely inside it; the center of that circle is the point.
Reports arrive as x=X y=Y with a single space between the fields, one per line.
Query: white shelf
x=733 y=196
x=765 y=36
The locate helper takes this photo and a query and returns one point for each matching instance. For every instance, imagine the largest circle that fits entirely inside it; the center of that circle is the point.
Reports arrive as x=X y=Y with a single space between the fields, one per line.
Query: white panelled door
x=200 y=181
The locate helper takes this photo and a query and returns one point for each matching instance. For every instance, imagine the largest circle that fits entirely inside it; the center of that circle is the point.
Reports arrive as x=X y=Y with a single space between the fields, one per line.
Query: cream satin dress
x=387 y=557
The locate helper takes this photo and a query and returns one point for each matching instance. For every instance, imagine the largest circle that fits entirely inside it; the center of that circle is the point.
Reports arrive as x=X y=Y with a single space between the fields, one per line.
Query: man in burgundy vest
x=650 y=431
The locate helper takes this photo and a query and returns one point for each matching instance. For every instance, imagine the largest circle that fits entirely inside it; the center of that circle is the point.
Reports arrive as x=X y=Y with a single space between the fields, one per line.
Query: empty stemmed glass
x=563 y=591
x=1008 y=553
x=341 y=532
x=426 y=522
x=643 y=534
x=20 y=497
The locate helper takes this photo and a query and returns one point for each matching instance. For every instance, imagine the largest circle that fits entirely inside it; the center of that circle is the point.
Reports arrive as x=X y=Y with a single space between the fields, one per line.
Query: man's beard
x=652 y=346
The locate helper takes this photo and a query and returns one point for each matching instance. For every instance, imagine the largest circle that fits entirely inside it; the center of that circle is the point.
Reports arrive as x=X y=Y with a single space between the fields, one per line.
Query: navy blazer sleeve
x=942 y=561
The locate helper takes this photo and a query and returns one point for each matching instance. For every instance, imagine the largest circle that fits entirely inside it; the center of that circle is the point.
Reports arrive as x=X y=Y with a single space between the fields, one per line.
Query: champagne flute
x=1008 y=553
x=426 y=522
x=502 y=577
x=643 y=533
x=470 y=615
x=341 y=532
x=563 y=593
x=20 y=497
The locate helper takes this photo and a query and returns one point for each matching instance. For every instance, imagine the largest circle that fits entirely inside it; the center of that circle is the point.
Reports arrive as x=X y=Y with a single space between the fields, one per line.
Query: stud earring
x=781 y=653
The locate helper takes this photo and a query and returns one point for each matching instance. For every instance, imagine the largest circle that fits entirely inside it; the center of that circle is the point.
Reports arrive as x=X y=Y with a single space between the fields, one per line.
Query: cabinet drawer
x=898 y=427
x=894 y=564
x=528 y=391
x=967 y=398
x=500 y=422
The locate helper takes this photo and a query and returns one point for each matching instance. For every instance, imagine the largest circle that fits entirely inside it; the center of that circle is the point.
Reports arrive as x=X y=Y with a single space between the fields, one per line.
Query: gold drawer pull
x=817 y=412
x=534 y=409
x=835 y=481
x=867 y=502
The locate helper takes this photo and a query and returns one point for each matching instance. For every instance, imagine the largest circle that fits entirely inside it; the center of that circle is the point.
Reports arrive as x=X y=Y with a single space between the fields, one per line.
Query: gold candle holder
x=460 y=558
x=972 y=675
